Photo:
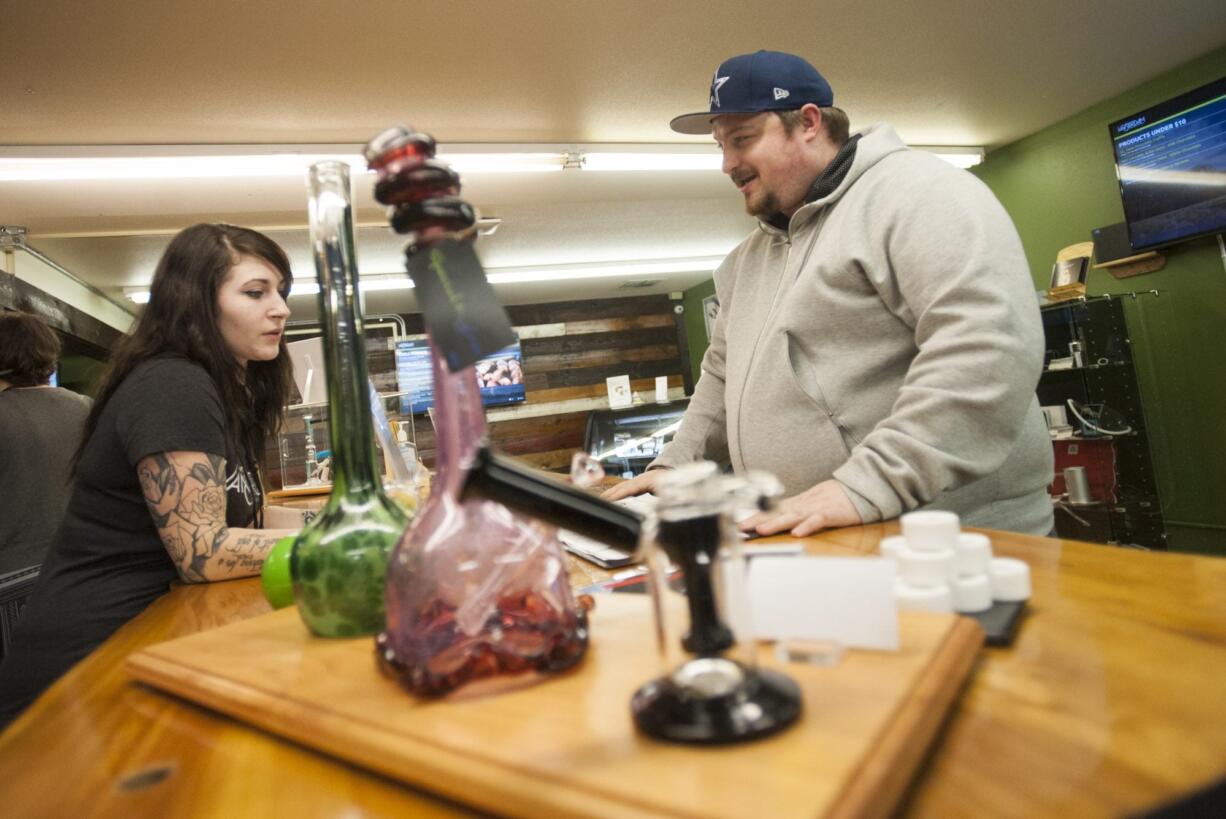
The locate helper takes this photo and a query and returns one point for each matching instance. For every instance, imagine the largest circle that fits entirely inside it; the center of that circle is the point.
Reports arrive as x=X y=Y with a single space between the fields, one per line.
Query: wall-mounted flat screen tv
x=1171 y=164
x=500 y=376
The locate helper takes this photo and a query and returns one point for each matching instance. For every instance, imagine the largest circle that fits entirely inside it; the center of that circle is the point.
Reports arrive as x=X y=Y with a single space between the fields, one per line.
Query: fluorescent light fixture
x=39 y=164
x=564 y=273
x=366 y=284
x=304 y=288
x=45 y=164
x=250 y=163
x=307 y=287
x=959 y=157
x=516 y=275
x=594 y=159
x=50 y=169
x=373 y=284
x=504 y=163
x=631 y=161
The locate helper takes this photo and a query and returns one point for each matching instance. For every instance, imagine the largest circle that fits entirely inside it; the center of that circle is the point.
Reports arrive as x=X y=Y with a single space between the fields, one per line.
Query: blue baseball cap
x=762 y=81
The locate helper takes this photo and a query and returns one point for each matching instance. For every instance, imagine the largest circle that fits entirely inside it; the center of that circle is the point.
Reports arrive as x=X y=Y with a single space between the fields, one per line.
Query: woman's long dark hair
x=181 y=317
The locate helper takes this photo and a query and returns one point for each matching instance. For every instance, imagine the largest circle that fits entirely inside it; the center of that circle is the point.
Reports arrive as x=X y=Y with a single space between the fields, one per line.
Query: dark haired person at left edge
x=166 y=483
x=40 y=427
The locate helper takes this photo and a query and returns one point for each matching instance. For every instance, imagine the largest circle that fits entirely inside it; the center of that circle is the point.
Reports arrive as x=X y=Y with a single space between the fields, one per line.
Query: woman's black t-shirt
x=108 y=563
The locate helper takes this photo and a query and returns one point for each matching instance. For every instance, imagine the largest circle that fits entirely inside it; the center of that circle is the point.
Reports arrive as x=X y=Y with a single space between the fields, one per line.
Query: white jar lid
x=1010 y=579
x=973 y=553
x=923 y=598
x=930 y=529
x=972 y=593
x=931 y=568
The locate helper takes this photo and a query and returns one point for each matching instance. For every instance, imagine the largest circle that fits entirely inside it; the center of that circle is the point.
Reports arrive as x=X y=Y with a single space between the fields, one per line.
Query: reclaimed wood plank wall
x=569 y=349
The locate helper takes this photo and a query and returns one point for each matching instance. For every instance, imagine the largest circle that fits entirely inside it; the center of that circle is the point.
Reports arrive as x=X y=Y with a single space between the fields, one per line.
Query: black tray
x=1000 y=623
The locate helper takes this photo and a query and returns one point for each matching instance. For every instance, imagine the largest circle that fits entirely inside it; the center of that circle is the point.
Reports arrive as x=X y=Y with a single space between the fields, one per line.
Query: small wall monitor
x=500 y=376
x=1171 y=163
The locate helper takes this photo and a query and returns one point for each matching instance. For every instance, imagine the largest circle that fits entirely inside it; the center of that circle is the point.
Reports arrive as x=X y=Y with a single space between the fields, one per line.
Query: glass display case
x=626 y=440
x=304 y=457
x=303 y=447
x=1090 y=395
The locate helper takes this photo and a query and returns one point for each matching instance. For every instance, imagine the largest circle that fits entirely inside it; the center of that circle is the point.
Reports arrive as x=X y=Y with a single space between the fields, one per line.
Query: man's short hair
x=28 y=350
x=834 y=122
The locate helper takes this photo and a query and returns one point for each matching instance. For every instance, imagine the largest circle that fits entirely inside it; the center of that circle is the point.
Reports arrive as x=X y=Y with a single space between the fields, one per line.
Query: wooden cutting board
x=566 y=745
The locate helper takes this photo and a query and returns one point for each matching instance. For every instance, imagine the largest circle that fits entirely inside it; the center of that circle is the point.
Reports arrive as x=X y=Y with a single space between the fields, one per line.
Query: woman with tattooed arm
x=165 y=485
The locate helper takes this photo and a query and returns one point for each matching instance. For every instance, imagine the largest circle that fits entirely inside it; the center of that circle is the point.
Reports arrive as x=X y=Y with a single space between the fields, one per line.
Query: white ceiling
x=181 y=72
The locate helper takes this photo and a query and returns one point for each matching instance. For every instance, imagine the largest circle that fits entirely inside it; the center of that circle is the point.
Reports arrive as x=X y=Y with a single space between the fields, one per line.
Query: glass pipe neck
x=352 y=440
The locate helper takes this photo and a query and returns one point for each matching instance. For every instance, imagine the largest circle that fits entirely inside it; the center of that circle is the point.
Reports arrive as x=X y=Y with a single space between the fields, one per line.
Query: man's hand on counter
x=825 y=506
x=638 y=485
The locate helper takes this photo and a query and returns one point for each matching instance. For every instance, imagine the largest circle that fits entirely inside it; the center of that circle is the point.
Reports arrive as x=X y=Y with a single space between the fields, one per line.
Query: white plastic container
x=972 y=554
x=926 y=569
x=930 y=529
x=923 y=598
x=1010 y=580
x=971 y=593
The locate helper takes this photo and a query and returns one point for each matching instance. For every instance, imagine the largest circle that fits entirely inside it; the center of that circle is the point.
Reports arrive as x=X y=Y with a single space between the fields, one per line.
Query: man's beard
x=764 y=207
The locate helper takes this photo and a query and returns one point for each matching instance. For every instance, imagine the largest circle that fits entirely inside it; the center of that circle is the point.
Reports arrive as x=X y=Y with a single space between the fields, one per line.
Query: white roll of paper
x=972 y=593
x=972 y=554
x=933 y=568
x=930 y=529
x=1010 y=579
x=923 y=598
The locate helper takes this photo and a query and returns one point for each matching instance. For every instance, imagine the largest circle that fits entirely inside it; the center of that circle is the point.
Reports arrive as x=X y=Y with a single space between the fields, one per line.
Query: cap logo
x=781 y=93
x=716 y=84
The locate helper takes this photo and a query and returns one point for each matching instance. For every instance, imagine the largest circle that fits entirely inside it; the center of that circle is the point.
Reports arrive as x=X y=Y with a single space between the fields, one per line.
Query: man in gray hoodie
x=878 y=343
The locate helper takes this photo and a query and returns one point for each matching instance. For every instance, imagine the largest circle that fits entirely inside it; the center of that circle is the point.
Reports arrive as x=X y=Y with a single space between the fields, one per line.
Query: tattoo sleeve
x=186 y=496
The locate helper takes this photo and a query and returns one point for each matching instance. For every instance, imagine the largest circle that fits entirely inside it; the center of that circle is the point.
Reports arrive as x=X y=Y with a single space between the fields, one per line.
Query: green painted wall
x=1060 y=183
x=695 y=328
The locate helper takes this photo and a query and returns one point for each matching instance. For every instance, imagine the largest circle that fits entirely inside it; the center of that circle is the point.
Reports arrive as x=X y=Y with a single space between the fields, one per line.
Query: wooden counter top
x=1112 y=700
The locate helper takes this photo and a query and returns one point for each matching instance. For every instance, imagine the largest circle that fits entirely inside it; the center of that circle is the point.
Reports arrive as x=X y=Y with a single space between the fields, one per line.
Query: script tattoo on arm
x=186 y=496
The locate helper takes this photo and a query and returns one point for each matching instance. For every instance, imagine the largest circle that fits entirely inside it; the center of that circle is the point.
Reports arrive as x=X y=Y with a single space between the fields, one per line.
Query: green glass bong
x=338 y=563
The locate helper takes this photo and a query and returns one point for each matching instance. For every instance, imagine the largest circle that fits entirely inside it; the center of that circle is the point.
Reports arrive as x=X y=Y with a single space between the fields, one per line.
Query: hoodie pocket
x=805 y=378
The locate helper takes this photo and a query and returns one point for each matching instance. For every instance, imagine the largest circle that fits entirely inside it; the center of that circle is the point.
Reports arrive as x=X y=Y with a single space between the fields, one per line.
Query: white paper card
x=661 y=389
x=846 y=599
x=619 y=391
x=307 y=359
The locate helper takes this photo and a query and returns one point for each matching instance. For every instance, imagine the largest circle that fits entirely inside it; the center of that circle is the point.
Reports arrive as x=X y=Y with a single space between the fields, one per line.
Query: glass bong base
x=711 y=700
